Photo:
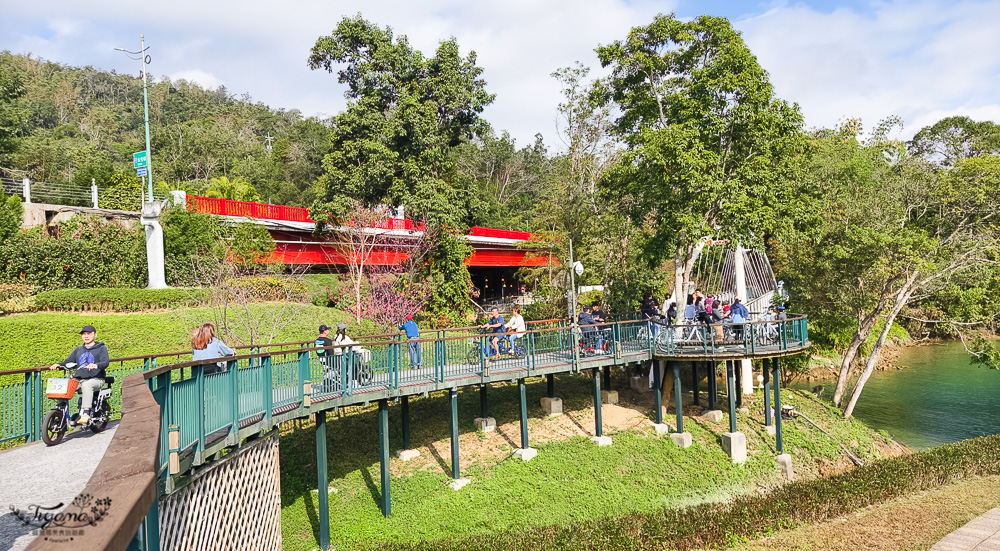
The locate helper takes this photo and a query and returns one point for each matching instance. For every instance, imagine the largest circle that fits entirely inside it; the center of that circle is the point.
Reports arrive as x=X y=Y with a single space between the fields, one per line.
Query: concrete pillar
x=154 y=245
x=26 y=189
x=179 y=198
x=93 y=192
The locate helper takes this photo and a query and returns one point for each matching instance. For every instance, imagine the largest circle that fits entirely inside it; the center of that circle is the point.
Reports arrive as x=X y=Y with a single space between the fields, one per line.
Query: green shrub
x=16 y=298
x=87 y=252
x=118 y=300
x=269 y=288
x=751 y=516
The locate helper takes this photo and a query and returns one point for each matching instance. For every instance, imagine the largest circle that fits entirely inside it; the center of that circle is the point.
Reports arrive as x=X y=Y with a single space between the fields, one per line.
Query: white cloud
x=206 y=80
x=915 y=58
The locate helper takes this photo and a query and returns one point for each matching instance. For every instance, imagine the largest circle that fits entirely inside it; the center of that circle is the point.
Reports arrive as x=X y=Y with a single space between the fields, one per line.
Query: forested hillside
x=81 y=123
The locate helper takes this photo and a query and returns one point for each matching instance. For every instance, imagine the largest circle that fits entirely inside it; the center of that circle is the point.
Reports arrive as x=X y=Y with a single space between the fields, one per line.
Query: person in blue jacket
x=412 y=335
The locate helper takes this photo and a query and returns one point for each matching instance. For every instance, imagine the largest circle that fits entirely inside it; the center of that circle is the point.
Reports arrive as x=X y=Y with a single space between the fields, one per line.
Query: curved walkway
x=982 y=534
x=36 y=474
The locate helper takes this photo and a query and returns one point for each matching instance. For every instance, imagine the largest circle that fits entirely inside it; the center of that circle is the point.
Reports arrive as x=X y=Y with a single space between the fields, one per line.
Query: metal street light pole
x=145 y=110
x=144 y=59
x=150 y=216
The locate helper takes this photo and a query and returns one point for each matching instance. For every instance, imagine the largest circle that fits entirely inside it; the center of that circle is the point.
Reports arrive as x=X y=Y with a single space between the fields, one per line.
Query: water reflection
x=937 y=398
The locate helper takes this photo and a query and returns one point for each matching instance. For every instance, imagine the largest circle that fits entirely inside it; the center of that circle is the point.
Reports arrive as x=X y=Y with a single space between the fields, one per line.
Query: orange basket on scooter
x=60 y=388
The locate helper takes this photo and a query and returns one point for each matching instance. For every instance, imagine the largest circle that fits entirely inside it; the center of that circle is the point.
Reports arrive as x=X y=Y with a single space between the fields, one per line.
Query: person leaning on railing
x=204 y=346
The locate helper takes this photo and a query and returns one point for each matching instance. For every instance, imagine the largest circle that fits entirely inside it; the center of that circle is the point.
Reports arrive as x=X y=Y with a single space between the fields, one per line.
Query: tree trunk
x=865 y=326
x=901 y=299
x=860 y=336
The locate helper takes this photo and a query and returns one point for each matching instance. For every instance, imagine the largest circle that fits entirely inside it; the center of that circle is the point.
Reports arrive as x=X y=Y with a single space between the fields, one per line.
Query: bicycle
x=476 y=352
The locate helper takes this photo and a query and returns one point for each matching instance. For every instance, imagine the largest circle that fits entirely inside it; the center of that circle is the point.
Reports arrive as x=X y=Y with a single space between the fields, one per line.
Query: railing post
x=267 y=387
x=173 y=449
x=233 y=369
x=529 y=348
x=199 y=372
x=305 y=379
x=39 y=402
x=27 y=408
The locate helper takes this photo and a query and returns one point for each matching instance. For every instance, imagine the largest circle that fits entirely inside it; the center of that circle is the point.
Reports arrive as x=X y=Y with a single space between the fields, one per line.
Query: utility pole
x=150 y=216
x=145 y=110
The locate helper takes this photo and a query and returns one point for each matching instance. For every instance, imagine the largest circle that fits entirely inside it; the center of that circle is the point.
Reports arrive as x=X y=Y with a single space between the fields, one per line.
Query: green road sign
x=139 y=159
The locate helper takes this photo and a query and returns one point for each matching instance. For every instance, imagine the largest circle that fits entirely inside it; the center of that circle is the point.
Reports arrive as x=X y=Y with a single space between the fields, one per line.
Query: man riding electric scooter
x=92 y=357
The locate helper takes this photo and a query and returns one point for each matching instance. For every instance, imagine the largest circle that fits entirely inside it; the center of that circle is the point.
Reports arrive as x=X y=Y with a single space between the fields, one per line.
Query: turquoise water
x=938 y=397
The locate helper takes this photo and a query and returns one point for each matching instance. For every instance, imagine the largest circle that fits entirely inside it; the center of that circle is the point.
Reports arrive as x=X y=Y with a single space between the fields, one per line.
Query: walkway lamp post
x=150 y=216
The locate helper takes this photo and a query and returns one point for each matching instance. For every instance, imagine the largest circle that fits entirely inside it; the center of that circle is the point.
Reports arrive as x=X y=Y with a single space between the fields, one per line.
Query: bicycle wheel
x=55 y=427
x=474 y=355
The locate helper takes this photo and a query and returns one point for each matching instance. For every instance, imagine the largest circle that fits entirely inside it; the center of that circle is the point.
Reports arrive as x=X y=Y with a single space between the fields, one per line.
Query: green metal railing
x=727 y=339
x=271 y=378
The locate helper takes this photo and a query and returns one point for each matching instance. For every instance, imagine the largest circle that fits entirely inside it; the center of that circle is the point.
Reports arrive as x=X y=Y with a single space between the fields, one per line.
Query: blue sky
x=920 y=60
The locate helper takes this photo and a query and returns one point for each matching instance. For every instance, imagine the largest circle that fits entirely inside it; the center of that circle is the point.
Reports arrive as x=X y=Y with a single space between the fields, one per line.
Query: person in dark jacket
x=92 y=360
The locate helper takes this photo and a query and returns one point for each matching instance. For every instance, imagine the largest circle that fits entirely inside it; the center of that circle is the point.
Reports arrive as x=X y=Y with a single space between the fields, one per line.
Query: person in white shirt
x=516 y=325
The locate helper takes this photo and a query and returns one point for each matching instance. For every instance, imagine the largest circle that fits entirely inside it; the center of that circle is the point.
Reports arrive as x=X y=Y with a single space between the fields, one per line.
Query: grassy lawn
x=914 y=522
x=47 y=338
x=571 y=481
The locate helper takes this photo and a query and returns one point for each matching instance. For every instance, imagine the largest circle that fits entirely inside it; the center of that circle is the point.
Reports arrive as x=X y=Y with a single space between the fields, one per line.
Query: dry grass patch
x=910 y=523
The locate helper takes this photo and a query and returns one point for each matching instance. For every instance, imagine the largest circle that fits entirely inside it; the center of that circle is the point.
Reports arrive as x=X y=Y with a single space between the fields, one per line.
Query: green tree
x=405 y=115
x=236 y=189
x=708 y=143
x=11 y=212
x=879 y=230
x=954 y=139
x=12 y=115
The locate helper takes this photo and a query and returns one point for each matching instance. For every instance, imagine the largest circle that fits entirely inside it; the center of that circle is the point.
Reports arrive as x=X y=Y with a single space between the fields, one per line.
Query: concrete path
x=982 y=534
x=35 y=474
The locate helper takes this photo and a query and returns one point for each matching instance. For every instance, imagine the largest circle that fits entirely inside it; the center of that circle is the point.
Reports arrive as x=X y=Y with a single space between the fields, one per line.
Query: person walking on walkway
x=92 y=360
x=412 y=335
x=204 y=346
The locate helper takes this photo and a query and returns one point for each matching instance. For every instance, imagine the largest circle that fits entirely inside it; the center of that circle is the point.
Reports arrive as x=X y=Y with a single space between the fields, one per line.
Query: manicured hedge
x=752 y=516
x=117 y=300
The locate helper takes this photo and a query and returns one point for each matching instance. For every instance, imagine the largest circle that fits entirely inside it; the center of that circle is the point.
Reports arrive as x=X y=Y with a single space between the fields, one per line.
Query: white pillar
x=739 y=267
x=27 y=190
x=93 y=192
x=154 y=244
x=179 y=198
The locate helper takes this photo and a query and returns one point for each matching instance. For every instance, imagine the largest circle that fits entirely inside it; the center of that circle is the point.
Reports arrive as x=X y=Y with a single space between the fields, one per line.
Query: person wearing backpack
x=92 y=360
x=738 y=315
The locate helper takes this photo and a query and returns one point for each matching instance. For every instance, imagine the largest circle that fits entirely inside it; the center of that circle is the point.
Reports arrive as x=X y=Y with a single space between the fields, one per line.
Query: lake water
x=938 y=397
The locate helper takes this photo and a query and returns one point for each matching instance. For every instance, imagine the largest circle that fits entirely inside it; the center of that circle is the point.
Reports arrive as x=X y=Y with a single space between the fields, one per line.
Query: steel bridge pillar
x=322 y=485
x=383 y=454
x=453 y=402
x=694 y=382
x=678 y=402
x=765 y=367
x=405 y=407
x=657 y=392
x=776 y=372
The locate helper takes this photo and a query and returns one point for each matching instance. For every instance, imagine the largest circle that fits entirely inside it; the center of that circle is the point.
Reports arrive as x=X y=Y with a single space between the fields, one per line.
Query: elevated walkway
x=201 y=416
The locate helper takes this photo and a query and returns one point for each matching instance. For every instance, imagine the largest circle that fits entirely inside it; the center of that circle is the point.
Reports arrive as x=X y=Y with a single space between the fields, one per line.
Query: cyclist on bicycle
x=92 y=359
x=496 y=323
